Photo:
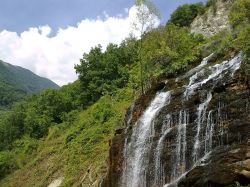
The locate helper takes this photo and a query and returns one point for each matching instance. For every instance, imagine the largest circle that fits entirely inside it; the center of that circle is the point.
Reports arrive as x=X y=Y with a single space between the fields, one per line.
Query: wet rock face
x=115 y=161
x=216 y=19
x=226 y=166
x=117 y=143
x=198 y=140
x=230 y=114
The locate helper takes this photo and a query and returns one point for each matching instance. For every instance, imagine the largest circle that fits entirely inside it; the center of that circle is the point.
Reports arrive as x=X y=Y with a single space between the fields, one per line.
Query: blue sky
x=19 y=15
x=49 y=37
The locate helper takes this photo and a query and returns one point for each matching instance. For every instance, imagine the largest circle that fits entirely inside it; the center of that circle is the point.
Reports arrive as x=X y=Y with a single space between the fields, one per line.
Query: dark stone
x=222 y=169
x=119 y=131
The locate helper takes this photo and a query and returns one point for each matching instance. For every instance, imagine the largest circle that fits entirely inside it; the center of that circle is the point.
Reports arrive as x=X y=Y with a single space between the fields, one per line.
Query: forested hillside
x=17 y=82
x=64 y=133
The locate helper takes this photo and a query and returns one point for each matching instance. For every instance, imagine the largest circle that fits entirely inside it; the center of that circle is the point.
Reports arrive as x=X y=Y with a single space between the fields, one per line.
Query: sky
x=49 y=37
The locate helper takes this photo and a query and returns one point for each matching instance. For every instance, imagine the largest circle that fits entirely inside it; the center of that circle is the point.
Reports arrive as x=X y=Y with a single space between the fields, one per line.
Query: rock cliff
x=215 y=19
x=194 y=132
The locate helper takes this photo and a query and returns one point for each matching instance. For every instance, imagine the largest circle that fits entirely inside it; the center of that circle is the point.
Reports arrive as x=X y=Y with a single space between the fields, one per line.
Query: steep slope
x=16 y=82
x=74 y=151
x=214 y=20
x=198 y=131
x=198 y=127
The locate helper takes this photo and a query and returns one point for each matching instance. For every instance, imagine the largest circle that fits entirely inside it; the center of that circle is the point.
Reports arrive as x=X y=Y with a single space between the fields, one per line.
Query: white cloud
x=55 y=57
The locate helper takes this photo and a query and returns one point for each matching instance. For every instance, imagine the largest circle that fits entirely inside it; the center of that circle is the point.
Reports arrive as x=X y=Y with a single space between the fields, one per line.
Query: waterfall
x=137 y=150
x=159 y=168
x=146 y=162
x=215 y=72
x=203 y=63
x=200 y=120
x=179 y=158
x=209 y=132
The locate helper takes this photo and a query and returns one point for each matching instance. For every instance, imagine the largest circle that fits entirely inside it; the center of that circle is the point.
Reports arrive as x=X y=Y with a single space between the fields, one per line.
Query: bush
x=185 y=14
x=212 y=4
x=169 y=50
x=102 y=73
x=240 y=13
x=240 y=21
x=7 y=163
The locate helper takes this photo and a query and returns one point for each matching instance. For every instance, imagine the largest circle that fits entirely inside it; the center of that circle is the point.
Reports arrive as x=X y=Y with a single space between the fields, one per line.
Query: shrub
x=185 y=14
x=7 y=163
x=240 y=13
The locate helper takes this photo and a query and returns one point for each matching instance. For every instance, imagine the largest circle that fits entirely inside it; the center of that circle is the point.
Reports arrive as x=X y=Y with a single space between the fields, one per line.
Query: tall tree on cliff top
x=147 y=17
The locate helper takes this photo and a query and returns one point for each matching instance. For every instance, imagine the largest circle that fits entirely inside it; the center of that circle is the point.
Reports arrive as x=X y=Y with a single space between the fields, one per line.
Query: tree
x=185 y=14
x=168 y=50
x=101 y=73
x=147 y=16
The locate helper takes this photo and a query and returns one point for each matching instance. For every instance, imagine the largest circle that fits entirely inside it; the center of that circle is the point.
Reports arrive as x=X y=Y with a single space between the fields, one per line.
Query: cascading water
x=183 y=155
x=215 y=72
x=200 y=120
x=203 y=63
x=138 y=148
x=179 y=158
x=159 y=168
x=209 y=132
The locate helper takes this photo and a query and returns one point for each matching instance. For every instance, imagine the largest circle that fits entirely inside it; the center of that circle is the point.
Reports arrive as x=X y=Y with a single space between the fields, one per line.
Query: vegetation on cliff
x=185 y=14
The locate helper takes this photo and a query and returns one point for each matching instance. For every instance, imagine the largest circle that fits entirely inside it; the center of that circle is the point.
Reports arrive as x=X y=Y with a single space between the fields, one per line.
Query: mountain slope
x=16 y=82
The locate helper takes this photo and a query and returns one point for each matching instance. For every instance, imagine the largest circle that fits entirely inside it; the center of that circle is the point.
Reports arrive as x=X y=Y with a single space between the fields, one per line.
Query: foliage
x=17 y=82
x=10 y=94
x=166 y=51
x=146 y=17
x=34 y=116
x=36 y=119
x=240 y=21
x=12 y=126
x=242 y=41
x=212 y=4
x=7 y=163
x=103 y=73
x=185 y=14
x=240 y=13
x=73 y=147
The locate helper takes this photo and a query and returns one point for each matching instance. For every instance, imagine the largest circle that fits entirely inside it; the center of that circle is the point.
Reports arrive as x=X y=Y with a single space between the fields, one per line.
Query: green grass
x=71 y=148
